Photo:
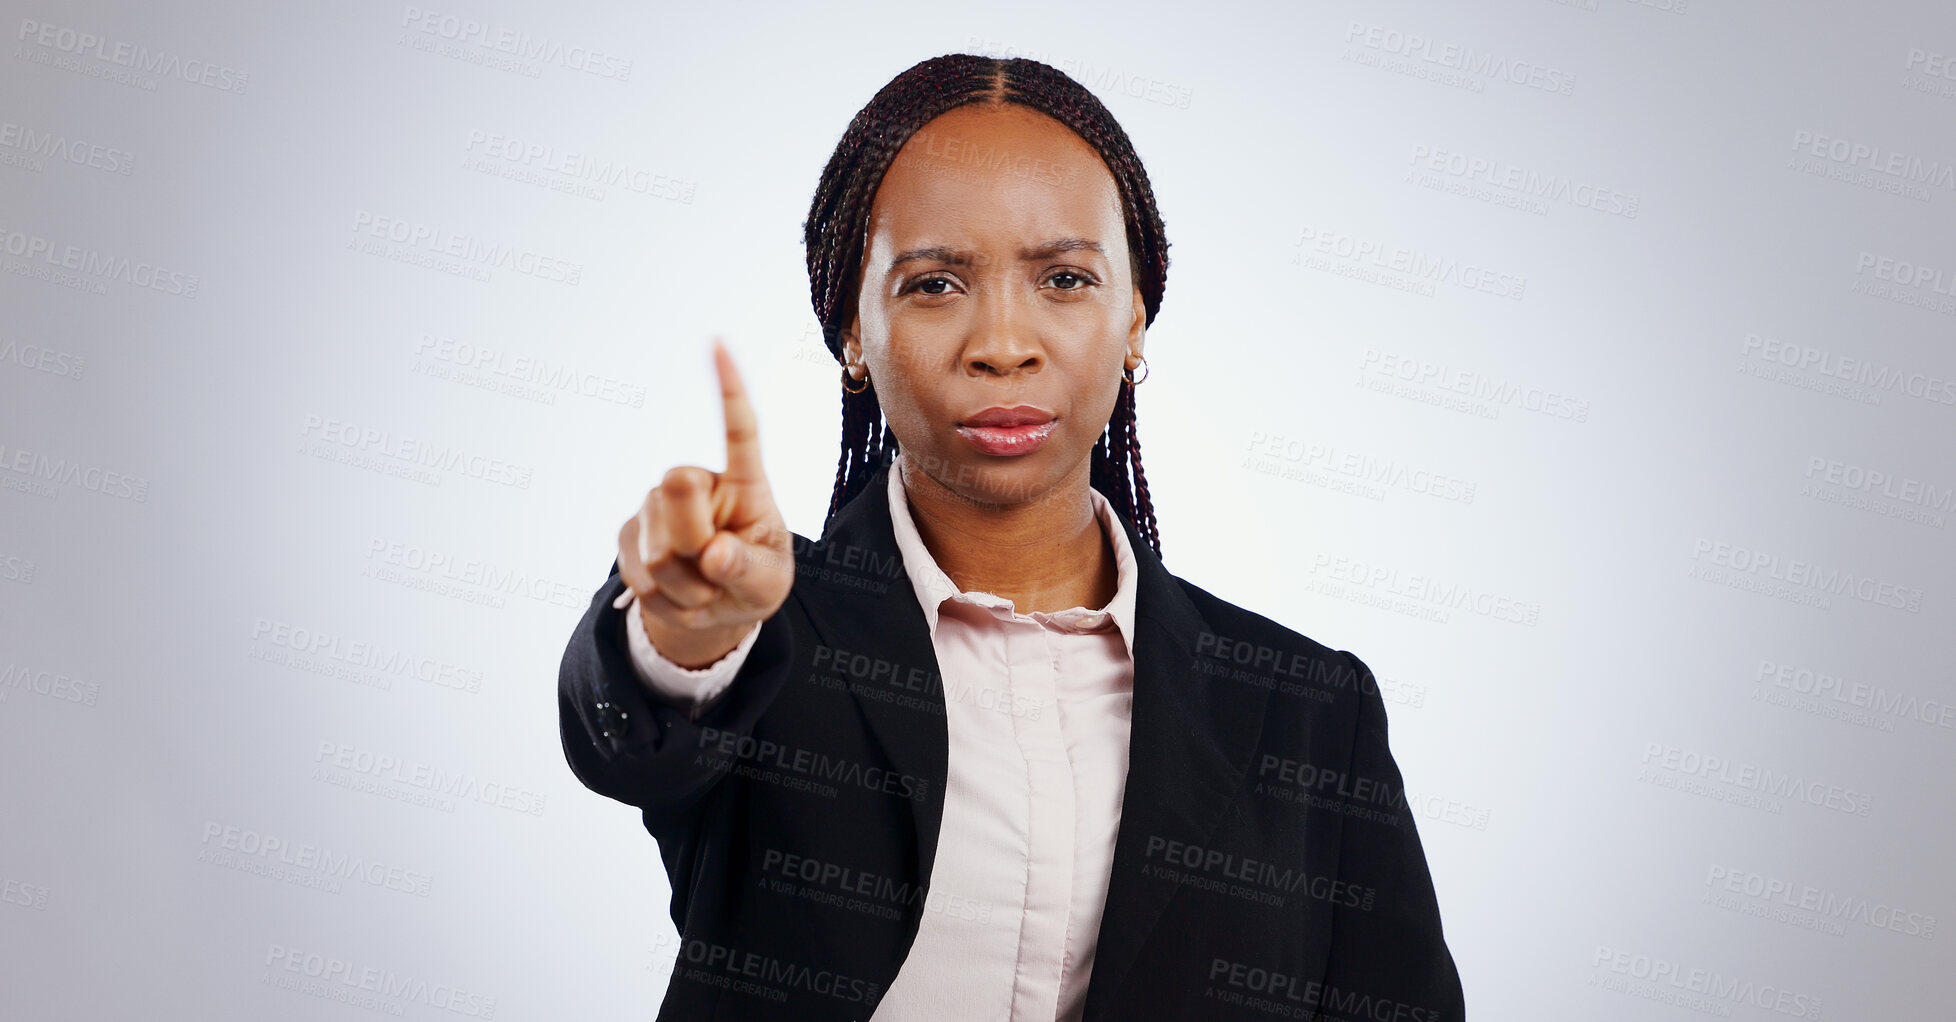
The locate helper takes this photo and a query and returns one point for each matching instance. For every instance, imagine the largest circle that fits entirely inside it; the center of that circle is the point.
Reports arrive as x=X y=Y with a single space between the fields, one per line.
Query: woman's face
x=996 y=277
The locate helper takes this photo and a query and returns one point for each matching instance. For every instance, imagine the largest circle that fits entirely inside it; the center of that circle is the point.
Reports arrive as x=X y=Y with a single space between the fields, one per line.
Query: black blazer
x=1267 y=863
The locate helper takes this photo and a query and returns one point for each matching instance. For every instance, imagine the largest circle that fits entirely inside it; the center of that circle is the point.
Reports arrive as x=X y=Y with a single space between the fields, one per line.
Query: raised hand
x=707 y=553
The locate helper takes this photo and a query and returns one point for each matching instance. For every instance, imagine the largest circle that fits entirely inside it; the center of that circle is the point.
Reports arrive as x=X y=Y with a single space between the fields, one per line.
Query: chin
x=991 y=481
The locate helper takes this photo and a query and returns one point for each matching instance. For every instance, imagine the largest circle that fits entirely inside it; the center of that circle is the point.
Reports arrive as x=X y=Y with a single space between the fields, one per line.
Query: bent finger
x=632 y=547
x=680 y=580
x=685 y=508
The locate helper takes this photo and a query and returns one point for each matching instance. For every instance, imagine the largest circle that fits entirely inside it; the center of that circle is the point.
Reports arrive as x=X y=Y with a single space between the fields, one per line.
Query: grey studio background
x=1585 y=367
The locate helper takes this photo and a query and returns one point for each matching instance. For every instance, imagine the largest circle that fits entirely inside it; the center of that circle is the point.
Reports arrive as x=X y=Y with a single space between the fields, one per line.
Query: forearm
x=624 y=743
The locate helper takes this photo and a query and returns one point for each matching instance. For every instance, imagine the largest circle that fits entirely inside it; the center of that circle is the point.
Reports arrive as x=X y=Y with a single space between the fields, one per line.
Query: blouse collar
x=933 y=587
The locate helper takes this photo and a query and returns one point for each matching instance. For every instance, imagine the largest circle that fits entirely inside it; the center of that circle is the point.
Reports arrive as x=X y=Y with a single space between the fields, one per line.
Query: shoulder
x=1247 y=642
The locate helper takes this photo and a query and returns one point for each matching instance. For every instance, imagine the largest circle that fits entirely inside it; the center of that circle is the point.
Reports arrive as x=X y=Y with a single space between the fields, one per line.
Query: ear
x=1137 y=331
x=852 y=344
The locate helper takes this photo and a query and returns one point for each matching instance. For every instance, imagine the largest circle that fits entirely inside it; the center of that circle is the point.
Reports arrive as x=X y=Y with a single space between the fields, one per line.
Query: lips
x=1008 y=432
x=1018 y=415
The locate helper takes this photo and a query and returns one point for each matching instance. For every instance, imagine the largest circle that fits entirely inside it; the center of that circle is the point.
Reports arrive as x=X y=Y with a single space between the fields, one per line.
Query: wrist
x=693 y=648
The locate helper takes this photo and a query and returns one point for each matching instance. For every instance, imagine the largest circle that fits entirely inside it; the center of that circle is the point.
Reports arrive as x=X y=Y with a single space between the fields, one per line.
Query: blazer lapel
x=870 y=607
x=1190 y=745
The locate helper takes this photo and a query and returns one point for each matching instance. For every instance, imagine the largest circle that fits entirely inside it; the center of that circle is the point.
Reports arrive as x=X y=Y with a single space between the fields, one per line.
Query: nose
x=1003 y=339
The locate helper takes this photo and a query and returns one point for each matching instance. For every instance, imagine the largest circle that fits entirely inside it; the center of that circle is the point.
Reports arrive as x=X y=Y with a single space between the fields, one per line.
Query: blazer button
x=612 y=720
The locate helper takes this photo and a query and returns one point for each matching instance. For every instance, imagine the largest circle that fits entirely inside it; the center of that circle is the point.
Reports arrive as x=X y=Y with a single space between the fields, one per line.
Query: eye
x=1078 y=280
x=931 y=286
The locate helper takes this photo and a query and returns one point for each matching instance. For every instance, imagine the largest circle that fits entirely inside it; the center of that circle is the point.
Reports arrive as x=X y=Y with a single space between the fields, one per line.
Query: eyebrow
x=939 y=253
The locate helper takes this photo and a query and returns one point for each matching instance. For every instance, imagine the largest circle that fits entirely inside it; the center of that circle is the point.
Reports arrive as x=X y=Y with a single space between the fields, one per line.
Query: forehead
x=1006 y=174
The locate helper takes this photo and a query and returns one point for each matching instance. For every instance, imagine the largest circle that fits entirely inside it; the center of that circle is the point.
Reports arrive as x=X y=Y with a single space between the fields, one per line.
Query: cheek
x=907 y=404
x=1095 y=410
x=1104 y=368
x=912 y=375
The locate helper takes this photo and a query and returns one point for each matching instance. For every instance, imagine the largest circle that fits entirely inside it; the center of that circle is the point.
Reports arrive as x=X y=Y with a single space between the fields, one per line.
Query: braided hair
x=837 y=229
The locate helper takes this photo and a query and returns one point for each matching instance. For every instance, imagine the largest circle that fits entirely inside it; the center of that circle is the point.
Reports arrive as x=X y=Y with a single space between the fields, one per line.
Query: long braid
x=1107 y=464
x=860 y=415
x=837 y=231
x=1150 y=529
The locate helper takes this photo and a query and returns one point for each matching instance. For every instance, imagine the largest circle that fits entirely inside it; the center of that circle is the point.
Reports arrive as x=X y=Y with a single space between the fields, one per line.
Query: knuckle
x=682 y=480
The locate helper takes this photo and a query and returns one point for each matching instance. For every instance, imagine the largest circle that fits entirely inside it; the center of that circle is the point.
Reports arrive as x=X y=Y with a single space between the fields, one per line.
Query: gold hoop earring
x=1132 y=381
x=846 y=378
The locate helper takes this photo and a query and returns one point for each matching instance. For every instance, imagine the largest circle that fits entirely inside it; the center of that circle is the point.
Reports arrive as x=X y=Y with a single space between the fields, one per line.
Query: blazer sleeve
x=1390 y=946
x=648 y=752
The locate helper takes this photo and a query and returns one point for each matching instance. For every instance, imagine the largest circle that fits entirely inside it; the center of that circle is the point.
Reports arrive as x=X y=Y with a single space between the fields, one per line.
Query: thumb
x=723 y=559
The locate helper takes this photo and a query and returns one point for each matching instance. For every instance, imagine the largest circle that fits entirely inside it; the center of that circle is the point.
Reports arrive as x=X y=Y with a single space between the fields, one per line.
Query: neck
x=1048 y=553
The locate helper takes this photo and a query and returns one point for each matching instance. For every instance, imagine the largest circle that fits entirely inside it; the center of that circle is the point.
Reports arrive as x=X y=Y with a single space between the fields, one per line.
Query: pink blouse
x=1037 y=709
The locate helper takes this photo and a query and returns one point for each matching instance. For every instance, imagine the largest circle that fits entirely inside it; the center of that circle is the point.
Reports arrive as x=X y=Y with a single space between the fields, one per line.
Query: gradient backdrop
x=1584 y=366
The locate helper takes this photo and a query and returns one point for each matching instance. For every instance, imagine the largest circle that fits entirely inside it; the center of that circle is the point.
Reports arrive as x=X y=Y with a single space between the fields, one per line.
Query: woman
x=976 y=754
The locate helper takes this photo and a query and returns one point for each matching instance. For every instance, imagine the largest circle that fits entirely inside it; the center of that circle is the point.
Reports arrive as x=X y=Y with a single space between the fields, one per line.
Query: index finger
x=743 y=435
